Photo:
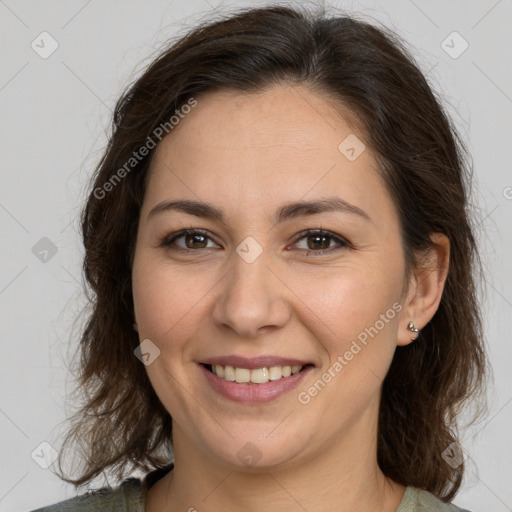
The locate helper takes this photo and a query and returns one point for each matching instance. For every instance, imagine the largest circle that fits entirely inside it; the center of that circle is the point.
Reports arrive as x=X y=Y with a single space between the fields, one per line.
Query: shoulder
x=127 y=497
x=418 y=500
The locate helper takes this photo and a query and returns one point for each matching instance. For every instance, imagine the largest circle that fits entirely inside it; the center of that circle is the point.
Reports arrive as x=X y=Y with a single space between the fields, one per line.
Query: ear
x=425 y=288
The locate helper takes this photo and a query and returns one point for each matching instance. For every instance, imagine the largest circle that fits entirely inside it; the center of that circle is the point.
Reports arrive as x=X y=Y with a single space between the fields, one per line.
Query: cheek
x=168 y=306
x=169 y=301
x=354 y=311
x=350 y=298
x=155 y=293
x=355 y=320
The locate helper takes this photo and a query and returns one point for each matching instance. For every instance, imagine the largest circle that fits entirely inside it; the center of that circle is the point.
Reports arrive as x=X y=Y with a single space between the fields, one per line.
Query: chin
x=254 y=451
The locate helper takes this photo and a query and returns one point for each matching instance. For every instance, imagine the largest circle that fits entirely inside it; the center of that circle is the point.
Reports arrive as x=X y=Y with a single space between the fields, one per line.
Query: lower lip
x=254 y=393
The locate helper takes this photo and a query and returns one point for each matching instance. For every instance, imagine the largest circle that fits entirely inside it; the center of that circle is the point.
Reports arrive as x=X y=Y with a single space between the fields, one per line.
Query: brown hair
x=368 y=71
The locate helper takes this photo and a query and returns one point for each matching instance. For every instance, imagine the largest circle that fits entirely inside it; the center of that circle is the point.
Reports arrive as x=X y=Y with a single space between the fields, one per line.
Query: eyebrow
x=285 y=212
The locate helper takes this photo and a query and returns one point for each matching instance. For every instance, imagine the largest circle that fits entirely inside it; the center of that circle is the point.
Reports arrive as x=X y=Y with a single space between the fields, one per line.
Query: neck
x=342 y=477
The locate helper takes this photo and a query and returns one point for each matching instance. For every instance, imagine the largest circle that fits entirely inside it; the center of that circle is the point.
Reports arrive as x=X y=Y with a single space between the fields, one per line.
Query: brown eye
x=193 y=239
x=320 y=242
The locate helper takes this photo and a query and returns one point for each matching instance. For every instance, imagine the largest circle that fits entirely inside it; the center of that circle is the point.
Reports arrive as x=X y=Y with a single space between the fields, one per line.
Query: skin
x=249 y=154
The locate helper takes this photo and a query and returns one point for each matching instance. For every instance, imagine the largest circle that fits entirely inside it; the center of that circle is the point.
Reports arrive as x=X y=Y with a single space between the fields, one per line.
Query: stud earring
x=413 y=329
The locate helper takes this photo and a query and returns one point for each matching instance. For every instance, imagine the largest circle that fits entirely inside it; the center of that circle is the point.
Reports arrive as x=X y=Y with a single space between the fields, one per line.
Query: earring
x=413 y=329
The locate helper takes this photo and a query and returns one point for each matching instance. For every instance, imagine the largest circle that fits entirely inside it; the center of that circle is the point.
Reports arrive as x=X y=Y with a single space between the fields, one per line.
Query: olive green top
x=130 y=496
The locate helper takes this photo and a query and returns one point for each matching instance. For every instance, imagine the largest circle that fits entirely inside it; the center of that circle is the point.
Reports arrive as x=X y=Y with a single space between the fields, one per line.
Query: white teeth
x=229 y=373
x=274 y=373
x=256 y=375
x=242 y=375
x=259 y=375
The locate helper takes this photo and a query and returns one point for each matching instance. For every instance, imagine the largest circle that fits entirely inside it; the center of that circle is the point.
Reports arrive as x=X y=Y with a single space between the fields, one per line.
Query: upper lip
x=254 y=362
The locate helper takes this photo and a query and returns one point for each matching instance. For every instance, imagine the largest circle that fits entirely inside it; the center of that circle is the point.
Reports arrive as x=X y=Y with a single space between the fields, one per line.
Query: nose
x=253 y=299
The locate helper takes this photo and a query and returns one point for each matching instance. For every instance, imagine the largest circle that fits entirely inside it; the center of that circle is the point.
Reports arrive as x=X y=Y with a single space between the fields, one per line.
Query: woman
x=283 y=276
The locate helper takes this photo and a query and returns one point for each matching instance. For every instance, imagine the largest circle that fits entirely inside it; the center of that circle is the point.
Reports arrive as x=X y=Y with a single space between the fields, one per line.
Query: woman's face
x=255 y=289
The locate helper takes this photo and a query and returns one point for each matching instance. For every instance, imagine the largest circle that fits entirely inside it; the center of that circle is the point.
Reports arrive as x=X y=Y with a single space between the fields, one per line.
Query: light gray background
x=55 y=113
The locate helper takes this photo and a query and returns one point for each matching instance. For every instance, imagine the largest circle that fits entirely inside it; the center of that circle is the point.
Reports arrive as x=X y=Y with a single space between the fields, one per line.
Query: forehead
x=292 y=117
x=272 y=146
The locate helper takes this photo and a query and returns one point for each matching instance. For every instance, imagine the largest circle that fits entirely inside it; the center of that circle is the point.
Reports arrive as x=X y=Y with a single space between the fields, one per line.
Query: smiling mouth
x=254 y=375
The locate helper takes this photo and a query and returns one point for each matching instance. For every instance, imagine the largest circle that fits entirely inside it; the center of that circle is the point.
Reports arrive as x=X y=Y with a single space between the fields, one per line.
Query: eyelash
x=168 y=240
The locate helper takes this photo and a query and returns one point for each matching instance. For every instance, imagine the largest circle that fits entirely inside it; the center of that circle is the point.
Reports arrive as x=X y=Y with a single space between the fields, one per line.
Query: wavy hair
x=367 y=70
